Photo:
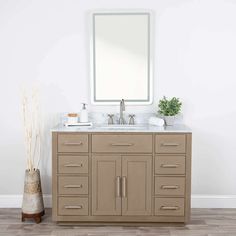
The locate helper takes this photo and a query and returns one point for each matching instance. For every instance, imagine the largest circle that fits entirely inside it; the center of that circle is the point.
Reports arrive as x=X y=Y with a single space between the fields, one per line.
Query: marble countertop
x=144 y=128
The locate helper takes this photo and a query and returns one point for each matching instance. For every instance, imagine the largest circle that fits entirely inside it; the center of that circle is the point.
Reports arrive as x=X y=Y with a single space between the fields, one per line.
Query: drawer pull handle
x=169 y=208
x=169 y=187
x=73 y=186
x=73 y=144
x=122 y=144
x=118 y=184
x=74 y=207
x=169 y=166
x=124 y=186
x=170 y=144
x=73 y=165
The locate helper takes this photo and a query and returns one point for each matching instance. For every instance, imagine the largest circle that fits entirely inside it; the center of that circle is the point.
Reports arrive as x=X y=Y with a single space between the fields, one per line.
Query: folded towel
x=156 y=121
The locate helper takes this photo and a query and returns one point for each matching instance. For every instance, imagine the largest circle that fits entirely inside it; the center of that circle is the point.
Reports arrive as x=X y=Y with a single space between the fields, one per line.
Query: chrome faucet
x=122 y=108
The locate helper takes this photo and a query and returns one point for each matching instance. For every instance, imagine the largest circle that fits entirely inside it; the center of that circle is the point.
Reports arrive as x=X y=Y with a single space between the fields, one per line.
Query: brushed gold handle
x=169 y=208
x=73 y=165
x=73 y=186
x=123 y=186
x=74 y=207
x=73 y=144
x=169 y=166
x=122 y=144
x=118 y=185
x=170 y=144
x=169 y=187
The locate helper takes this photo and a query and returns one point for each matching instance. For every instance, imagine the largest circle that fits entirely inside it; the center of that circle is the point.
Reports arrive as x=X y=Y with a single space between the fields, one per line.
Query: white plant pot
x=169 y=120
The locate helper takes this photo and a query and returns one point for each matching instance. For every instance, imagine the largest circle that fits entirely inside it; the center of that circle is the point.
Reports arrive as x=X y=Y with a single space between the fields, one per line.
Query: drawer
x=169 y=185
x=73 y=206
x=72 y=164
x=169 y=164
x=72 y=143
x=122 y=143
x=169 y=206
x=72 y=185
x=170 y=143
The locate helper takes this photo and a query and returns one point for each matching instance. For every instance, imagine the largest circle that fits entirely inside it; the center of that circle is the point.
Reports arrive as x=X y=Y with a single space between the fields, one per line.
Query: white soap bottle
x=84 y=114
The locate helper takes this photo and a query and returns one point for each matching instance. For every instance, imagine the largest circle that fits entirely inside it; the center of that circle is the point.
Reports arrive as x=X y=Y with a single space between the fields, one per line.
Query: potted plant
x=169 y=108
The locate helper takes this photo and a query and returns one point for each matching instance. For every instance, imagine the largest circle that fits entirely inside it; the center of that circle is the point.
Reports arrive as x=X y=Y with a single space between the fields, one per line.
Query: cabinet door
x=106 y=173
x=136 y=185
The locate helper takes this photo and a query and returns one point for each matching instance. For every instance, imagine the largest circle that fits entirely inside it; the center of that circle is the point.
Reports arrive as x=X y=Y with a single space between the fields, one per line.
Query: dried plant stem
x=31 y=122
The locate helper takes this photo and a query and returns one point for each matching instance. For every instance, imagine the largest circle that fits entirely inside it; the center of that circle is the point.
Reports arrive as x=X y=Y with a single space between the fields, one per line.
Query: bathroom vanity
x=121 y=173
x=115 y=175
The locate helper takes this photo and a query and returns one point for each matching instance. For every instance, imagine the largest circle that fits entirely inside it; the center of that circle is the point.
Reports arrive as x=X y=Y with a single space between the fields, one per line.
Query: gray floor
x=211 y=222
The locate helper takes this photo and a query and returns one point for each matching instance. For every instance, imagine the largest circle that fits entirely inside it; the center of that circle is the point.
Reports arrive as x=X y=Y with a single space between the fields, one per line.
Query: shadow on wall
x=45 y=165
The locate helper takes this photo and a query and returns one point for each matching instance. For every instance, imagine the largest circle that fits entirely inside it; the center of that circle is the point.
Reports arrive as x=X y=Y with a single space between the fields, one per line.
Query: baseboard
x=198 y=201
x=213 y=201
x=15 y=201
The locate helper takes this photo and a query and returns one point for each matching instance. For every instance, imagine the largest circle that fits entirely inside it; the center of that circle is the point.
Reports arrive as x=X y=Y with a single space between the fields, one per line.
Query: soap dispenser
x=84 y=114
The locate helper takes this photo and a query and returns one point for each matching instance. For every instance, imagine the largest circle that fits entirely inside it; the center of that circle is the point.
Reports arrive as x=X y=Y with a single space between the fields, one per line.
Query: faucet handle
x=131 y=119
x=110 y=119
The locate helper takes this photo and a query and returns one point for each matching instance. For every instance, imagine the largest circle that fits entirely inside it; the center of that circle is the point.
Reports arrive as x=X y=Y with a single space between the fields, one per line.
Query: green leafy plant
x=169 y=107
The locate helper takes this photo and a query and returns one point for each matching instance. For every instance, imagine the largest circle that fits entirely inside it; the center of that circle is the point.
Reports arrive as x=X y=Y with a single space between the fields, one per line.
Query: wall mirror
x=121 y=61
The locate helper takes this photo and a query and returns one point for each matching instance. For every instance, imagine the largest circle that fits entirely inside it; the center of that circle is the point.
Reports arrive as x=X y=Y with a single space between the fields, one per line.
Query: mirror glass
x=121 y=61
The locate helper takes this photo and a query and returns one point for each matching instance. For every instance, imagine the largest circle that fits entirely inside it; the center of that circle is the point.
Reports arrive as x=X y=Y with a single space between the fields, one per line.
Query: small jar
x=72 y=118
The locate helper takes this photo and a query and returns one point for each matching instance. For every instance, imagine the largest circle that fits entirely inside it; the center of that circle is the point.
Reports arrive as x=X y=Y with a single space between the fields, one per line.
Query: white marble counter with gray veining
x=143 y=128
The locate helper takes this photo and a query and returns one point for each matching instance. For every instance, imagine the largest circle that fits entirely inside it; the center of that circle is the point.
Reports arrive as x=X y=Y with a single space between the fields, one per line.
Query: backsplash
x=102 y=117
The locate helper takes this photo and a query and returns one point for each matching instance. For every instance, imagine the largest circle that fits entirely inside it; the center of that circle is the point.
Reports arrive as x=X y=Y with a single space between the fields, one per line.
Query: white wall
x=195 y=59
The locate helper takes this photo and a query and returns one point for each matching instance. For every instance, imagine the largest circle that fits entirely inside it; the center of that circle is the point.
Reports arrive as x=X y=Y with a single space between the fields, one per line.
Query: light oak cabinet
x=136 y=185
x=121 y=185
x=106 y=174
x=121 y=177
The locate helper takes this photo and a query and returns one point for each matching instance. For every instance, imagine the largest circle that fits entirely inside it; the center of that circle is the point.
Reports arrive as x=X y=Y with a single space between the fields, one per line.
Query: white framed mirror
x=121 y=58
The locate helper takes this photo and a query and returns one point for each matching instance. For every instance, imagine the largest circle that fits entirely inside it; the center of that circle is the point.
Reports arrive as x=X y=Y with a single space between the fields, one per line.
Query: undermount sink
x=121 y=127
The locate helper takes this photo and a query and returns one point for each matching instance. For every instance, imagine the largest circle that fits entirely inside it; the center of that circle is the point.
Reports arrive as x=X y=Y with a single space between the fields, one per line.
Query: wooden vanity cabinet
x=121 y=185
x=106 y=174
x=121 y=177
